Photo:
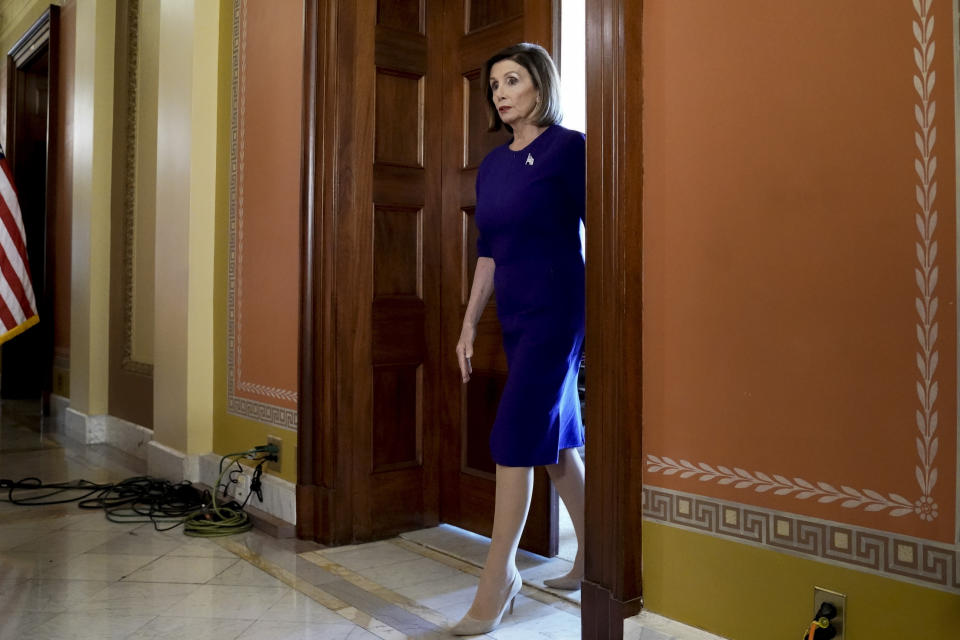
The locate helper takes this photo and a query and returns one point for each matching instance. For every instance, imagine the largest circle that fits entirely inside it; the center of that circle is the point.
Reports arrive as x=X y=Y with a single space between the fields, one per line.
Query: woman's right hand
x=465 y=350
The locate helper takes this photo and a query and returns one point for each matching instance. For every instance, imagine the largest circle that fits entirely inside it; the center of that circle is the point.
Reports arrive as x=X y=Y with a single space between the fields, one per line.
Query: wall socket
x=241 y=487
x=839 y=600
x=275 y=466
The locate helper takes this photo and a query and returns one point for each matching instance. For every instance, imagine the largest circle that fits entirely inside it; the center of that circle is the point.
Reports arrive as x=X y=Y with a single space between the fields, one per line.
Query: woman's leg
x=568 y=477
x=514 y=488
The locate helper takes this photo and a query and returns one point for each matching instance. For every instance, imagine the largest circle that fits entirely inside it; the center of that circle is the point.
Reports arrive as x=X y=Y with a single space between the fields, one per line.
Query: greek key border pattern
x=243 y=407
x=922 y=562
x=262 y=412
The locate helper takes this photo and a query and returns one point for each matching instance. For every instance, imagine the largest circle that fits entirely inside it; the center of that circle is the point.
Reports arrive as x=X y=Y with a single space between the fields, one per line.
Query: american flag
x=18 y=307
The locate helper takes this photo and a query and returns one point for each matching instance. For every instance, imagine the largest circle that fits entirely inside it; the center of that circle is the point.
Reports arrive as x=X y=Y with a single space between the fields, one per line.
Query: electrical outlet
x=275 y=465
x=839 y=600
x=241 y=488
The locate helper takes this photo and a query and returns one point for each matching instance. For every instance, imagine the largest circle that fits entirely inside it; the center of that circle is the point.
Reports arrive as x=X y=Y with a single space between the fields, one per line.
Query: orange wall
x=265 y=211
x=258 y=243
x=799 y=295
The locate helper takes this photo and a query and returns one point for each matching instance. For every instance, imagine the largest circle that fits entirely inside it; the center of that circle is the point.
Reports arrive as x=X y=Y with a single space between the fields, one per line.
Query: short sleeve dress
x=529 y=207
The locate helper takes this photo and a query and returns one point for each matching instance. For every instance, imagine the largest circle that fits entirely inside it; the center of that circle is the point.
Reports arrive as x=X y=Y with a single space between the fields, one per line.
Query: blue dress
x=529 y=207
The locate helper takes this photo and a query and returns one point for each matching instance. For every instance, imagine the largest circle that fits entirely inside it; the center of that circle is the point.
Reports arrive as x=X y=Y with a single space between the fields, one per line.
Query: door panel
x=473 y=31
x=398 y=481
x=484 y=13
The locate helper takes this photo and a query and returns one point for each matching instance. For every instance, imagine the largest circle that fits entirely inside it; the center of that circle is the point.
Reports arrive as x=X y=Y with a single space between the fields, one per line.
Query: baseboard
x=83 y=428
x=170 y=464
x=128 y=437
x=279 y=496
x=58 y=411
x=120 y=434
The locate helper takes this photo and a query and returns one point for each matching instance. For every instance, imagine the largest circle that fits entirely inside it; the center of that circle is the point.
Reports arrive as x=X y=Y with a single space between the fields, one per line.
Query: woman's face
x=514 y=94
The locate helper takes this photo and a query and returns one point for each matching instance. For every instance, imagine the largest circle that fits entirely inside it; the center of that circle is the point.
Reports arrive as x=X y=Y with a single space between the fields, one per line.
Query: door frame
x=44 y=33
x=612 y=587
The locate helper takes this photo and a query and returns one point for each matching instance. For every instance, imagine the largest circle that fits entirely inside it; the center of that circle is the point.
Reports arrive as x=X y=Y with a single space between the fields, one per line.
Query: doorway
x=32 y=79
x=388 y=439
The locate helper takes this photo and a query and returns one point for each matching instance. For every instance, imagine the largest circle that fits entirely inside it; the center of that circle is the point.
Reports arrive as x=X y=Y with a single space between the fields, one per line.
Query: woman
x=530 y=201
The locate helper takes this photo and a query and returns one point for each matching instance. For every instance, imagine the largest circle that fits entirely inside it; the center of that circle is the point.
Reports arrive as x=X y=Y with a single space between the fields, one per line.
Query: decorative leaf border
x=782 y=486
x=927 y=273
x=927 y=303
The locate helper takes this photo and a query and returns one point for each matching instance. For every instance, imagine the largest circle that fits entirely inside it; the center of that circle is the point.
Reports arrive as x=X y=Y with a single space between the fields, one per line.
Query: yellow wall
x=187 y=170
x=92 y=162
x=748 y=593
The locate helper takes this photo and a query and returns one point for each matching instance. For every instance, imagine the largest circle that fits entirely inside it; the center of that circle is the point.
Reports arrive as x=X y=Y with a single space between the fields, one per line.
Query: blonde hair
x=546 y=79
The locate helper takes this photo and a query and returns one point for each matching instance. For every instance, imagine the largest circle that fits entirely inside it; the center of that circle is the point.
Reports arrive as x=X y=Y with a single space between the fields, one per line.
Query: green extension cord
x=222 y=520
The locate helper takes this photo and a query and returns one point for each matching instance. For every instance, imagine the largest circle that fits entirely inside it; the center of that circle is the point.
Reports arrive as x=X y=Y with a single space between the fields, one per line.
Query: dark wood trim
x=31 y=42
x=316 y=466
x=325 y=507
x=53 y=161
x=612 y=587
x=29 y=46
x=602 y=614
x=310 y=317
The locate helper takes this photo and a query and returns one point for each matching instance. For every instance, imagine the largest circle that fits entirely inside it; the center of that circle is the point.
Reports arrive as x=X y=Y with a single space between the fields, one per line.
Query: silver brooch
x=529 y=161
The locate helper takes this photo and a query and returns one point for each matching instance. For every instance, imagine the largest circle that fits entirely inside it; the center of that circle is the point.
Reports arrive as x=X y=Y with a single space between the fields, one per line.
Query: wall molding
x=171 y=464
x=58 y=411
x=128 y=437
x=83 y=428
x=922 y=562
x=120 y=434
x=129 y=220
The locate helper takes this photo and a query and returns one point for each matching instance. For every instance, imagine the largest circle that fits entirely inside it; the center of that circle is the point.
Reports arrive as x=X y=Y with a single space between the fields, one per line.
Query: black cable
x=145 y=499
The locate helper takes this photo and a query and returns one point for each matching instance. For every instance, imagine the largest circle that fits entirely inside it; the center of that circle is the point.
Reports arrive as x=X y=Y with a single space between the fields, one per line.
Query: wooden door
x=32 y=80
x=370 y=297
x=473 y=31
x=398 y=458
x=393 y=135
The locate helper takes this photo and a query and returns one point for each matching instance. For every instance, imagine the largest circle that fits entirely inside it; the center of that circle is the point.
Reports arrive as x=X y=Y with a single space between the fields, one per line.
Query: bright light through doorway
x=573 y=77
x=573 y=102
x=573 y=56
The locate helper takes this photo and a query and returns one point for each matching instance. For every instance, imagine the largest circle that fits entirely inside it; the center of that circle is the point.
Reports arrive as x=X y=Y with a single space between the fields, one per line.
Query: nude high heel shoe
x=470 y=626
x=564 y=582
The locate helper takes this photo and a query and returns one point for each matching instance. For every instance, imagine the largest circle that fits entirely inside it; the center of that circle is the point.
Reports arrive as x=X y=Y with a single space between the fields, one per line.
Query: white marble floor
x=70 y=573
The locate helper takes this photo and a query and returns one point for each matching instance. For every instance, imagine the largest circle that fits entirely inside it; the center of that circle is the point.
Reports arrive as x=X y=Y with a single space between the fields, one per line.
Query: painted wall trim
x=898 y=557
